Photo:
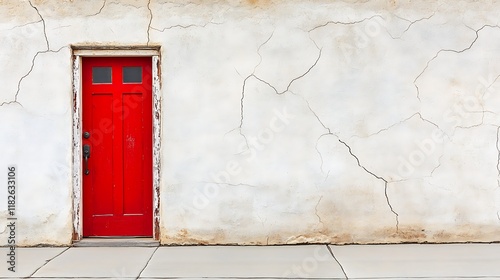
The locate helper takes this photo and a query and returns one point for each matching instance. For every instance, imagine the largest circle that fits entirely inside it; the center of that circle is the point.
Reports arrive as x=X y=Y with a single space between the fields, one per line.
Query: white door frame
x=85 y=51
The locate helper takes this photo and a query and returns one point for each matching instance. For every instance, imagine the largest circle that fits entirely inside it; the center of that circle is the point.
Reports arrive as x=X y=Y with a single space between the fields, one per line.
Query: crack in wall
x=491 y=84
x=432 y=123
x=437 y=166
x=100 y=9
x=343 y=23
x=258 y=51
x=482 y=112
x=261 y=221
x=271 y=86
x=294 y=79
x=43 y=22
x=411 y=24
x=185 y=26
x=120 y=3
x=442 y=187
x=320 y=155
x=23 y=25
x=429 y=176
x=150 y=21
x=252 y=75
x=242 y=106
x=305 y=73
x=18 y=91
x=498 y=156
x=353 y=155
x=485 y=111
x=316 y=212
x=178 y=4
x=449 y=50
x=401 y=122
x=329 y=132
x=378 y=177
x=471 y=126
x=387 y=128
x=16 y=96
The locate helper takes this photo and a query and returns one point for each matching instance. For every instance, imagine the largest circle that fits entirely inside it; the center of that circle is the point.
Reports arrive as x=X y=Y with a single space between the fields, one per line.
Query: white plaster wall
x=282 y=121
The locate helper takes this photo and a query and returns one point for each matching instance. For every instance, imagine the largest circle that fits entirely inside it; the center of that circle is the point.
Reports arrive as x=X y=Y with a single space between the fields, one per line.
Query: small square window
x=101 y=75
x=132 y=75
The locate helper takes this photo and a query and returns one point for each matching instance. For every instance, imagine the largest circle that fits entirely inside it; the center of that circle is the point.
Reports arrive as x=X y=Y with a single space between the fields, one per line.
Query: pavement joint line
x=341 y=267
x=46 y=262
x=147 y=263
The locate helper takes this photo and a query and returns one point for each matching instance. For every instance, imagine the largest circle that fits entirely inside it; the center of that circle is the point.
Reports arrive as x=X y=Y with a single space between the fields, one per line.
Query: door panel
x=102 y=201
x=117 y=112
x=132 y=127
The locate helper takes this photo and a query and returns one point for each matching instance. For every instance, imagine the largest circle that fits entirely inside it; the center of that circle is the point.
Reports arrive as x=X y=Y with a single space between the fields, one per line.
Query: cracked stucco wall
x=282 y=121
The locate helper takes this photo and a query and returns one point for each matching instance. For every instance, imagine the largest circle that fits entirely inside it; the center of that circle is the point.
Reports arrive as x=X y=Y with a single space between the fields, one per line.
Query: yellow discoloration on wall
x=405 y=235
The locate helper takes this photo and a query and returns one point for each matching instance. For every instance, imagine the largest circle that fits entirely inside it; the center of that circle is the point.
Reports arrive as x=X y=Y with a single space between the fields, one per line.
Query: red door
x=117 y=146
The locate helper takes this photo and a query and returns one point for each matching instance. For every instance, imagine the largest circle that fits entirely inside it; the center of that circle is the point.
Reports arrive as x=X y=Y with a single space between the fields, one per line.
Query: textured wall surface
x=282 y=121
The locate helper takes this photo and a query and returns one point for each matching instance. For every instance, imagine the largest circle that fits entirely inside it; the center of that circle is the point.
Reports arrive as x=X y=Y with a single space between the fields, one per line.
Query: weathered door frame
x=84 y=51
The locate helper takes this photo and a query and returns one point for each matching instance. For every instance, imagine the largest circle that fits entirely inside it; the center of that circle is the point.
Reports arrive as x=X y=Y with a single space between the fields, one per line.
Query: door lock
x=86 y=156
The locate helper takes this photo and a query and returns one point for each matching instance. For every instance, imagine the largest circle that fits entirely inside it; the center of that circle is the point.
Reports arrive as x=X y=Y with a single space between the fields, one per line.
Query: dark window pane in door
x=101 y=75
x=132 y=75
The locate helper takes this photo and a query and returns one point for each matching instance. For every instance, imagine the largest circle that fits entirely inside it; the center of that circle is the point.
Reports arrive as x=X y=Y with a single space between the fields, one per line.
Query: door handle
x=86 y=156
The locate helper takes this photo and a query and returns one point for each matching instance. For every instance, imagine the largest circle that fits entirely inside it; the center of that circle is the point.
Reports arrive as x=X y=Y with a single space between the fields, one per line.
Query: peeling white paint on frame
x=77 y=148
x=156 y=145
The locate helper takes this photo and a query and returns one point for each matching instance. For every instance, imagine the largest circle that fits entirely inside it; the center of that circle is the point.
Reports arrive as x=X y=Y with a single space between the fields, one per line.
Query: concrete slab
x=313 y=261
x=419 y=260
x=115 y=262
x=426 y=278
x=28 y=260
x=239 y=278
x=93 y=278
x=125 y=278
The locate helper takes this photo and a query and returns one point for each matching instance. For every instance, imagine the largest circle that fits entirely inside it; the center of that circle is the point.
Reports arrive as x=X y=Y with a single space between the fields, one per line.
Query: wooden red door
x=117 y=146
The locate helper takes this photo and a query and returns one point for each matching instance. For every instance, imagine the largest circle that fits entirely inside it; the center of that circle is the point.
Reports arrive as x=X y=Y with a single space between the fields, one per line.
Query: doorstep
x=116 y=242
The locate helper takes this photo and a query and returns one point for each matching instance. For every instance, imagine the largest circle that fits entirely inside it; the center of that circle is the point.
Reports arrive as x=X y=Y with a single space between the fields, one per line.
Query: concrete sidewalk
x=451 y=261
